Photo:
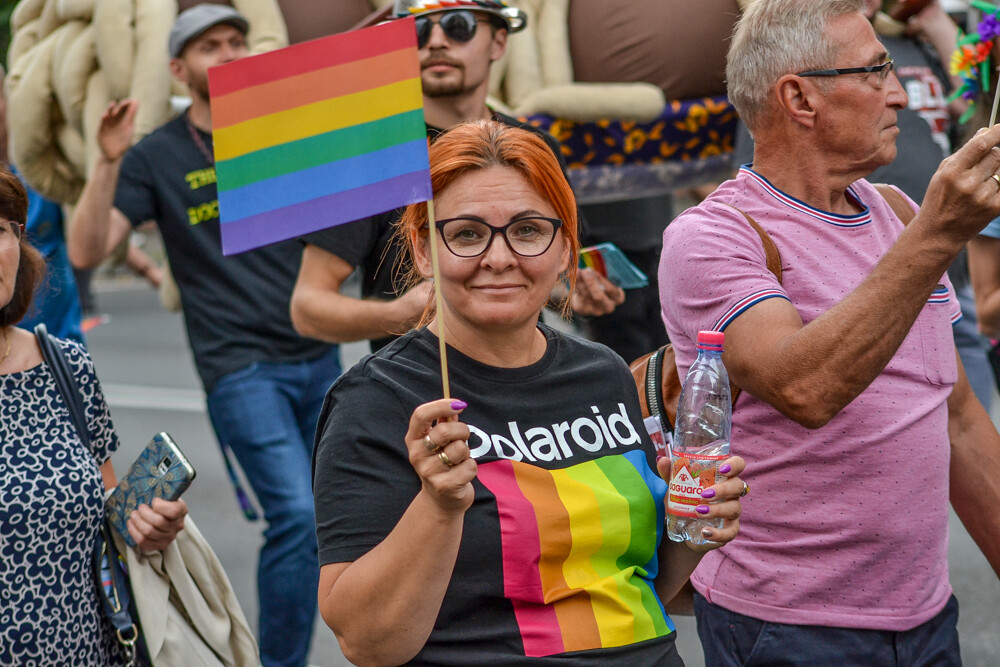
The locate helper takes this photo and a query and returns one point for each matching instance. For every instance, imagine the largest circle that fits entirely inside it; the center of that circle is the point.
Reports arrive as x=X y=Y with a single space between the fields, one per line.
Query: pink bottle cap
x=711 y=340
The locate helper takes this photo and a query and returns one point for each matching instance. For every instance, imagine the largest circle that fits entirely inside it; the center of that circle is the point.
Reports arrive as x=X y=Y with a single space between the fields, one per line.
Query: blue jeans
x=266 y=413
x=732 y=639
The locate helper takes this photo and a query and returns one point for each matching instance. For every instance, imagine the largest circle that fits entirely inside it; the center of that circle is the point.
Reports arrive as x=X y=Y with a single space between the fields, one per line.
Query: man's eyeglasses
x=10 y=233
x=459 y=26
x=470 y=237
x=882 y=71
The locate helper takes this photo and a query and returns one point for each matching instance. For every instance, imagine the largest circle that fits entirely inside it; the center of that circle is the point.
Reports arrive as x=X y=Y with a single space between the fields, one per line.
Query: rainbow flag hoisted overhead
x=318 y=134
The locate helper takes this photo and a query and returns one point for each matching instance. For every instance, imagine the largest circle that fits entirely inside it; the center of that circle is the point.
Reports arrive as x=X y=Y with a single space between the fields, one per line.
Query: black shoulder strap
x=111 y=581
x=116 y=598
x=654 y=392
x=65 y=381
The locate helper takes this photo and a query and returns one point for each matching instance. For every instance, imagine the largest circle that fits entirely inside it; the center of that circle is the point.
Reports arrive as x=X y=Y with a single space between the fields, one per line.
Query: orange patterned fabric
x=686 y=130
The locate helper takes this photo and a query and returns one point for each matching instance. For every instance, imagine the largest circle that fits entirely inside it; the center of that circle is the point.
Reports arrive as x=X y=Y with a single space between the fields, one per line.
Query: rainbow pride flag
x=318 y=134
x=579 y=551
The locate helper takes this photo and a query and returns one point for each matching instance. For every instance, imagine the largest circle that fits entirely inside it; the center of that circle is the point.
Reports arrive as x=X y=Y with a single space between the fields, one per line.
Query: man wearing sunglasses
x=847 y=360
x=458 y=42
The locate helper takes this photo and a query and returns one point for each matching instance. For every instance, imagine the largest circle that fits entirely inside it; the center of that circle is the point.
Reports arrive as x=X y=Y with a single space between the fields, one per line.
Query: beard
x=198 y=86
x=444 y=88
x=449 y=86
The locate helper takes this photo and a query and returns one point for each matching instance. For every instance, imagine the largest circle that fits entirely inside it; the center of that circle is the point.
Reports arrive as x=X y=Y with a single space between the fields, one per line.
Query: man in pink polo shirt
x=855 y=407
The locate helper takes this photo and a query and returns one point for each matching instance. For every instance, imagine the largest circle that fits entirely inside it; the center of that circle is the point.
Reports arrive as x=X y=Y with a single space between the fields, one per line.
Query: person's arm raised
x=320 y=311
x=809 y=373
x=96 y=226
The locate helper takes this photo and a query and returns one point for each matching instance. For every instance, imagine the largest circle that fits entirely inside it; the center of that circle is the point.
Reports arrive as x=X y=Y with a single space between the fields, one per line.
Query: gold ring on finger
x=746 y=489
x=430 y=444
x=444 y=459
x=996 y=179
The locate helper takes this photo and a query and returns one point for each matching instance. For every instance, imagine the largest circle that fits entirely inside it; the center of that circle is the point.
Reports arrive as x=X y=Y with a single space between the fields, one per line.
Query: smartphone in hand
x=161 y=471
x=608 y=260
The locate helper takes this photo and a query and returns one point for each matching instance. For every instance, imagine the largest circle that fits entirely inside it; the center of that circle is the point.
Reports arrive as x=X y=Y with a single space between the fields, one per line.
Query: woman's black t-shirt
x=559 y=548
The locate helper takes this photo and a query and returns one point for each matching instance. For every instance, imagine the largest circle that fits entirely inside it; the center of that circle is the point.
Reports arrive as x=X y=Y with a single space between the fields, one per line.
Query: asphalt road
x=145 y=367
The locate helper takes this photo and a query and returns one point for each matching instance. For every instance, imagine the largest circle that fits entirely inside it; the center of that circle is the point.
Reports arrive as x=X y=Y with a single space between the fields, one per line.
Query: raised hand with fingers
x=114 y=134
x=439 y=453
x=594 y=294
x=963 y=196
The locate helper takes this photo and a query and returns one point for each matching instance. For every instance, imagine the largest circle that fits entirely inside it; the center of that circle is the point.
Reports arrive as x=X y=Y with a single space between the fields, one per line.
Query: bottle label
x=689 y=476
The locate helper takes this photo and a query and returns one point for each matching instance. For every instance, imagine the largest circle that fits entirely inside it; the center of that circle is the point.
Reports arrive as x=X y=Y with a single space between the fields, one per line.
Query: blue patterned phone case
x=161 y=471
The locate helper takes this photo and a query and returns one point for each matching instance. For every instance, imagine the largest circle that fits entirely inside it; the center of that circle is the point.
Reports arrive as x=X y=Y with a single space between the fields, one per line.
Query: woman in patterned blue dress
x=51 y=486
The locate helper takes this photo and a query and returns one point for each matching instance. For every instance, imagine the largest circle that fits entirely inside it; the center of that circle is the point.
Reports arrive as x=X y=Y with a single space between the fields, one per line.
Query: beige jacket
x=190 y=616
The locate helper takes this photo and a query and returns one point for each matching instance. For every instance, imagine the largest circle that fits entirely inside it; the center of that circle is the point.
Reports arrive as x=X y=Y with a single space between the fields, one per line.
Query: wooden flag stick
x=438 y=302
x=996 y=101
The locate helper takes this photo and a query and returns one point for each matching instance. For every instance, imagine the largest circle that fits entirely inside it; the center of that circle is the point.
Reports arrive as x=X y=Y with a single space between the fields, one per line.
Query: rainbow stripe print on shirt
x=318 y=134
x=579 y=551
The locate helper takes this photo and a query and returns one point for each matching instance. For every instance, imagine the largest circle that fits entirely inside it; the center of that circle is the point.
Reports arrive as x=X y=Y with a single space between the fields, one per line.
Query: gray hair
x=775 y=38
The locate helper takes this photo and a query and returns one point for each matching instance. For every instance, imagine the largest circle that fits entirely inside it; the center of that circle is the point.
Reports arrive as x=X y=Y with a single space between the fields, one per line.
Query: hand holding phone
x=161 y=471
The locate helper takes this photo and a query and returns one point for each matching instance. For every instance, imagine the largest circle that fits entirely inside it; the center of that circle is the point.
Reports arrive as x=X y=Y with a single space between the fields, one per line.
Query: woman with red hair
x=523 y=520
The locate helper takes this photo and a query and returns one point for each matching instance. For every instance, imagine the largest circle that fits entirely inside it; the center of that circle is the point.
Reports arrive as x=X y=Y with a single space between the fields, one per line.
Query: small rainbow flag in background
x=318 y=134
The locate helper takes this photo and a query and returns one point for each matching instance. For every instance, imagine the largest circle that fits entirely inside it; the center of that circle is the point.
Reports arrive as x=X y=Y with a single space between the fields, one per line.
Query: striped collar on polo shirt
x=847 y=221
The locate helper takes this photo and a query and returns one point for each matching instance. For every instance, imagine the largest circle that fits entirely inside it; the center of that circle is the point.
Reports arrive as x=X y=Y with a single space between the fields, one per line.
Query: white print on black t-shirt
x=556 y=441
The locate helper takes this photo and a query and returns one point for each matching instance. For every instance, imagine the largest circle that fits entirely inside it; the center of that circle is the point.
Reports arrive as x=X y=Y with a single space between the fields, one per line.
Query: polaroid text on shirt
x=557 y=441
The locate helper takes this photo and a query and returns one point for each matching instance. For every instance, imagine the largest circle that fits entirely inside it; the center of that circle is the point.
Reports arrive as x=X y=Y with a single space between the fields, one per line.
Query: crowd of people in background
x=522 y=540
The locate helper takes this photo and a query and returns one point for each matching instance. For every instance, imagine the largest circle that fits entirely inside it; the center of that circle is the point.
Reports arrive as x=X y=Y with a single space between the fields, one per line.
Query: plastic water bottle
x=701 y=439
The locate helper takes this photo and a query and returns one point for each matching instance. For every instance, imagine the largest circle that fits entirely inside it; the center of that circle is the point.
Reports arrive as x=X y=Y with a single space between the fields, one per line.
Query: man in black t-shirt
x=455 y=59
x=264 y=383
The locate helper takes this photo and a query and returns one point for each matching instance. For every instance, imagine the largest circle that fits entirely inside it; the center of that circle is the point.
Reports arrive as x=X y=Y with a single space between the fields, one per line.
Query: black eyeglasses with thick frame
x=465 y=253
x=882 y=70
x=458 y=25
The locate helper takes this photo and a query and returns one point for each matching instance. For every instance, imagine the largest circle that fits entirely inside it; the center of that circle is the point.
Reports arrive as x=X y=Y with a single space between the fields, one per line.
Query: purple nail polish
x=725 y=469
x=660 y=457
x=459 y=405
x=708 y=493
x=707 y=533
x=702 y=509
